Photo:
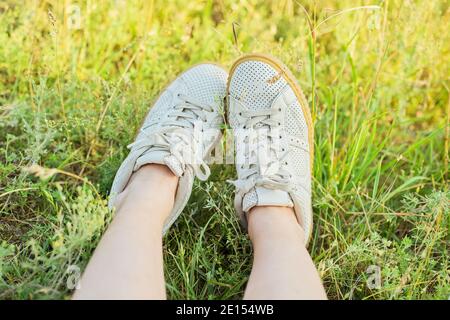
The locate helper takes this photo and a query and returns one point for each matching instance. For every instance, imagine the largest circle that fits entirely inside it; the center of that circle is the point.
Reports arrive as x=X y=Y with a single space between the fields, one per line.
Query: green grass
x=377 y=80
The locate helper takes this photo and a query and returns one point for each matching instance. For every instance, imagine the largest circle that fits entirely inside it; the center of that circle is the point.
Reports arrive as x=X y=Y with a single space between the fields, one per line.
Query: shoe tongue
x=174 y=165
x=260 y=196
x=160 y=157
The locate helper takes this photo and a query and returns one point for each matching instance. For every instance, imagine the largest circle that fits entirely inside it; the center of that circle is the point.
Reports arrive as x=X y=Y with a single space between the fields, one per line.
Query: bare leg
x=128 y=262
x=282 y=267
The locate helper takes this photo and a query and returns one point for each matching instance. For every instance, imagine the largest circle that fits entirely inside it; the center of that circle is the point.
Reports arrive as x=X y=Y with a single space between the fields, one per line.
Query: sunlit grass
x=76 y=80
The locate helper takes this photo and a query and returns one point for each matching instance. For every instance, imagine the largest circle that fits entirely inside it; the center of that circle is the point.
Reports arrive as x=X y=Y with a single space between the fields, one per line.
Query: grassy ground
x=75 y=82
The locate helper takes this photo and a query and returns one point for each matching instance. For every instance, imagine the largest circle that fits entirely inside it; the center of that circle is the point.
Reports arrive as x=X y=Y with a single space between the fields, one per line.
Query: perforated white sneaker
x=179 y=131
x=273 y=137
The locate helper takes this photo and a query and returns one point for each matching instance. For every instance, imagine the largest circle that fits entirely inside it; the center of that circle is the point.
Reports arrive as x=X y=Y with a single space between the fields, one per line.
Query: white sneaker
x=273 y=136
x=179 y=131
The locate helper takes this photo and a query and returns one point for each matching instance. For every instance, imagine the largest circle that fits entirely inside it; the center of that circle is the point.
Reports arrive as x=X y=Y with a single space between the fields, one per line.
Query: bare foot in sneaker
x=154 y=182
x=153 y=185
x=274 y=148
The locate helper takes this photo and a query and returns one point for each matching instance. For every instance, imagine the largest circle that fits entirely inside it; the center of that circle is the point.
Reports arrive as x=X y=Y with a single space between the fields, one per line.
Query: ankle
x=154 y=174
x=152 y=186
x=271 y=222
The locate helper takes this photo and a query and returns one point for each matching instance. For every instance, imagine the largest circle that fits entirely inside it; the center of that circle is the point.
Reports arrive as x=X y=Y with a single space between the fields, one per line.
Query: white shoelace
x=265 y=164
x=177 y=136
